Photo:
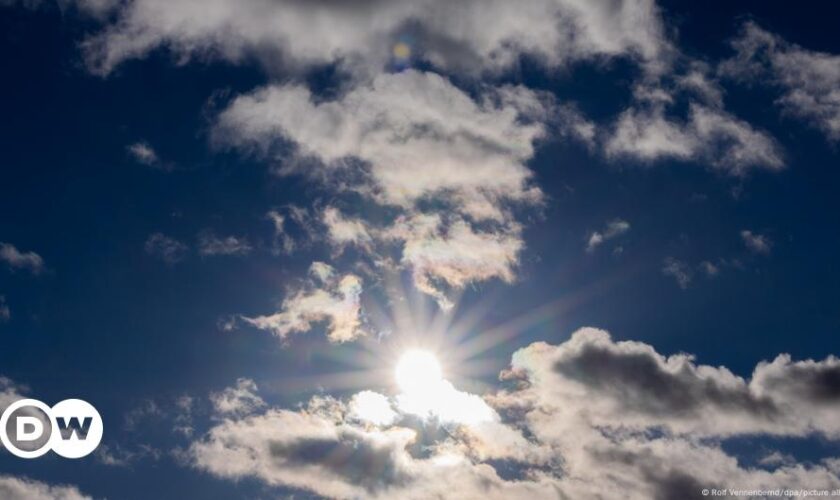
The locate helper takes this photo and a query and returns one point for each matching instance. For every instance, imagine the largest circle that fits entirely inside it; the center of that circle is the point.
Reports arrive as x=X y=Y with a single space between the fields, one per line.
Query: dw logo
x=72 y=428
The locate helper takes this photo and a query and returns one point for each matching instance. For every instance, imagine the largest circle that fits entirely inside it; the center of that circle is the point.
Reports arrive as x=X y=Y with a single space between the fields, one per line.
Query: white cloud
x=464 y=36
x=613 y=229
x=679 y=270
x=237 y=401
x=143 y=153
x=709 y=135
x=21 y=488
x=419 y=135
x=342 y=231
x=165 y=248
x=809 y=80
x=756 y=243
x=371 y=407
x=419 y=138
x=334 y=300
x=442 y=401
x=445 y=256
x=589 y=418
x=16 y=259
x=209 y=244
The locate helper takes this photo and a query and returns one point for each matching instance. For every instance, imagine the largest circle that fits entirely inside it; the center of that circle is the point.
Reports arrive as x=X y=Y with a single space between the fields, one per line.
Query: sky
x=423 y=249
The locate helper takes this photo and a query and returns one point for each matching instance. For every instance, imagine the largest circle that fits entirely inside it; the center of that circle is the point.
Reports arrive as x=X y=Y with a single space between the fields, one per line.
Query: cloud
x=628 y=384
x=419 y=135
x=809 y=80
x=118 y=456
x=710 y=135
x=5 y=312
x=453 y=255
x=167 y=249
x=589 y=418
x=371 y=407
x=613 y=229
x=209 y=245
x=10 y=392
x=16 y=259
x=469 y=36
x=418 y=139
x=327 y=298
x=282 y=241
x=756 y=243
x=342 y=231
x=237 y=401
x=143 y=153
x=21 y=488
x=709 y=268
x=678 y=270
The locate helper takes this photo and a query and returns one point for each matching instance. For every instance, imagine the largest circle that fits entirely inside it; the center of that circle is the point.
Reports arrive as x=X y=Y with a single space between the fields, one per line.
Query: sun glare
x=418 y=371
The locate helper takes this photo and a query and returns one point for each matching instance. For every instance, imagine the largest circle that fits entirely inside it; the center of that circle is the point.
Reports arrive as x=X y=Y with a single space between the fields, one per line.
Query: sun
x=418 y=371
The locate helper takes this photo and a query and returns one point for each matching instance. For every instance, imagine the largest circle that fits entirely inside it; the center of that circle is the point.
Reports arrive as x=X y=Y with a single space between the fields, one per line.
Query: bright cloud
x=419 y=138
x=709 y=135
x=328 y=298
x=237 y=401
x=473 y=35
x=589 y=418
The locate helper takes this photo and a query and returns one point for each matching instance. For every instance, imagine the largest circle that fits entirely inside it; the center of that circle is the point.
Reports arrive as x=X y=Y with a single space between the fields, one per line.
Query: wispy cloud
x=16 y=259
x=679 y=270
x=756 y=243
x=327 y=298
x=209 y=244
x=808 y=79
x=165 y=248
x=5 y=312
x=612 y=230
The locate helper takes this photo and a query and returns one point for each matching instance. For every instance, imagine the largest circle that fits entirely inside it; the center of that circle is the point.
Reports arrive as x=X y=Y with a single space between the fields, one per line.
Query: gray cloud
x=679 y=270
x=5 y=312
x=165 y=248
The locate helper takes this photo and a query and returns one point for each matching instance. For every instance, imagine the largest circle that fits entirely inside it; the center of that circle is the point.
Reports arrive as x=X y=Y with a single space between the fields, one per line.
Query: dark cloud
x=644 y=384
x=350 y=455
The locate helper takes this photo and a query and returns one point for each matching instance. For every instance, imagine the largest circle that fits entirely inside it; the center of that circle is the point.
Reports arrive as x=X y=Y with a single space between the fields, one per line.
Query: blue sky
x=225 y=224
